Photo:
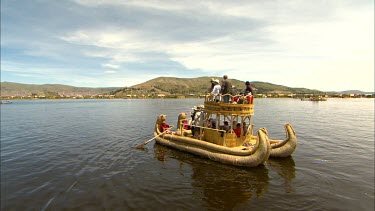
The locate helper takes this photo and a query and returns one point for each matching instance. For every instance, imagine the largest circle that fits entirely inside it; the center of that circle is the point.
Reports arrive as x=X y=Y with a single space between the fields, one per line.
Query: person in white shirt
x=216 y=91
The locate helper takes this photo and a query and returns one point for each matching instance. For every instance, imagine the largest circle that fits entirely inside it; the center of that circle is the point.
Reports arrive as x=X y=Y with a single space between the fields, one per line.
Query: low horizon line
x=175 y=77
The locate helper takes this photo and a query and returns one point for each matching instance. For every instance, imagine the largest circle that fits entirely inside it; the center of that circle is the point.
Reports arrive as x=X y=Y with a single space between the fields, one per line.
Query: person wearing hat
x=249 y=89
x=216 y=90
x=226 y=89
x=197 y=122
x=212 y=84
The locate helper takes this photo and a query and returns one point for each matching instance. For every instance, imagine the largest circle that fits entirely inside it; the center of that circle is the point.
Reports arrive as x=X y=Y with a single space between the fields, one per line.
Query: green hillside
x=161 y=85
x=18 y=89
x=196 y=86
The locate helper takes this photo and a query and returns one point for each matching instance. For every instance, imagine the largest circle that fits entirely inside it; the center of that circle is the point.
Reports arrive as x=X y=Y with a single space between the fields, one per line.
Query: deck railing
x=239 y=104
x=234 y=99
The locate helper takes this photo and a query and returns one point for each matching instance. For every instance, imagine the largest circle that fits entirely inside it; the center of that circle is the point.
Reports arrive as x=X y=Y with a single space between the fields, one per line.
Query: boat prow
x=284 y=148
x=263 y=138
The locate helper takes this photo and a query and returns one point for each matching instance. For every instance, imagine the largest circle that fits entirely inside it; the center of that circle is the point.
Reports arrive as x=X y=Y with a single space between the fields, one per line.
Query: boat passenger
x=237 y=130
x=197 y=121
x=226 y=126
x=195 y=110
x=211 y=123
x=248 y=89
x=185 y=124
x=212 y=85
x=165 y=128
x=226 y=89
x=216 y=90
x=240 y=98
x=248 y=99
x=244 y=128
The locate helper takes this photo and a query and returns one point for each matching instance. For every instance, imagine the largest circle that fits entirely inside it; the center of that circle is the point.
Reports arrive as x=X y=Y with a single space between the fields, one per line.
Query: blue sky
x=324 y=44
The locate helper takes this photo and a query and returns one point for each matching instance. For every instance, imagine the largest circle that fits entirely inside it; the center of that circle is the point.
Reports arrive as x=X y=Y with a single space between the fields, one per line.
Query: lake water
x=78 y=155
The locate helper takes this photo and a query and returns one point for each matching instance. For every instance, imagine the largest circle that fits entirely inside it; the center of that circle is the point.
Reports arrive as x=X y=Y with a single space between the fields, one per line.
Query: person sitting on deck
x=237 y=130
x=244 y=128
x=226 y=126
x=185 y=124
x=165 y=128
x=211 y=123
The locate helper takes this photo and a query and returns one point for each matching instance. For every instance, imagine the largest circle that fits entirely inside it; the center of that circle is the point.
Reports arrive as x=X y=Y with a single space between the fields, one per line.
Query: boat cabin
x=225 y=124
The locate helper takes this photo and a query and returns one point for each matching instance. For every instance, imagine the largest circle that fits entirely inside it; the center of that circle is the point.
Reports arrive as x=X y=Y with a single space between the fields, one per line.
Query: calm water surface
x=78 y=155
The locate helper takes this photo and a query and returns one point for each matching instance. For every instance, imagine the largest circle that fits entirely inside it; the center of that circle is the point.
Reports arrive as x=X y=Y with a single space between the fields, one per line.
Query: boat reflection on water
x=219 y=185
x=285 y=168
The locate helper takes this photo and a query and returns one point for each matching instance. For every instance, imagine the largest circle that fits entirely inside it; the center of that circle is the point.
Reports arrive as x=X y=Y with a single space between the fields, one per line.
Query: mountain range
x=160 y=85
x=200 y=85
x=18 y=89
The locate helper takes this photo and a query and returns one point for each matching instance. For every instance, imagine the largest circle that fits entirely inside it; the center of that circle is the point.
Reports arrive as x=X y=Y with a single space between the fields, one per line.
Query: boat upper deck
x=239 y=105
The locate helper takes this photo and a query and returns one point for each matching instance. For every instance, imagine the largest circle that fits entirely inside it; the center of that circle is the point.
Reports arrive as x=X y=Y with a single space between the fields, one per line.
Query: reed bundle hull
x=284 y=148
x=238 y=156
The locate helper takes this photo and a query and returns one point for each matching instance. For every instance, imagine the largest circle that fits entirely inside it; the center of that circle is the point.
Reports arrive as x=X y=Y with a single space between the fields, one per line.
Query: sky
x=322 y=44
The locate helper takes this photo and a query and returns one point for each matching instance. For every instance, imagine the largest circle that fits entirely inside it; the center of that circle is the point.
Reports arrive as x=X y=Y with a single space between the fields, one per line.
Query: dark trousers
x=226 y=98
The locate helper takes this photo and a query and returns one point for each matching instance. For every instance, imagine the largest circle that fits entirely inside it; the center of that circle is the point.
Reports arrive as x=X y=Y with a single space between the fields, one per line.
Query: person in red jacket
x=165 y=128
x=237 y=131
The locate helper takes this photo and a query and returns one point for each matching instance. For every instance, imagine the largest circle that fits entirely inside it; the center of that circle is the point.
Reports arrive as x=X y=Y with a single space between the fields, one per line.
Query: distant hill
x=200 y=85
x=18 y=89
x=351 y=92
x=160 y=85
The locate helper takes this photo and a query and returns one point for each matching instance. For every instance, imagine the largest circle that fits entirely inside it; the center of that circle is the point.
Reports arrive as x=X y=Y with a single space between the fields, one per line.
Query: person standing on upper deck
x=226 y=88
x=216 y=90
x=249 y=89
x=212 y=84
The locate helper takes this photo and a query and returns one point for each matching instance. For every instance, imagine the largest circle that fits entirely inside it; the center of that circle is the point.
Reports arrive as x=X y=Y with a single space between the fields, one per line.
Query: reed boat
x=5 y=102
x=314 y=99
x=223 y=132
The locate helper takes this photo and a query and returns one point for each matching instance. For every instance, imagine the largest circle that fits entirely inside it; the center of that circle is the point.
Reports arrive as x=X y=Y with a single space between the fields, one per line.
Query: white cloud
x=25 y=75
x=159 y=5
x=119 y=46
x=113 y=66
x=109 y=72
x=293 y=43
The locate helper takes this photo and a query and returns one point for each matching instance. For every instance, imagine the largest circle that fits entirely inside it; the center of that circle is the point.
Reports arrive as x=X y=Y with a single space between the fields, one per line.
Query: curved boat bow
x=284 y=148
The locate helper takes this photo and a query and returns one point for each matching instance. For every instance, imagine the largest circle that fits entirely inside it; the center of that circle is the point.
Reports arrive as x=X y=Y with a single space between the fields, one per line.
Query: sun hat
x=216 y=81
